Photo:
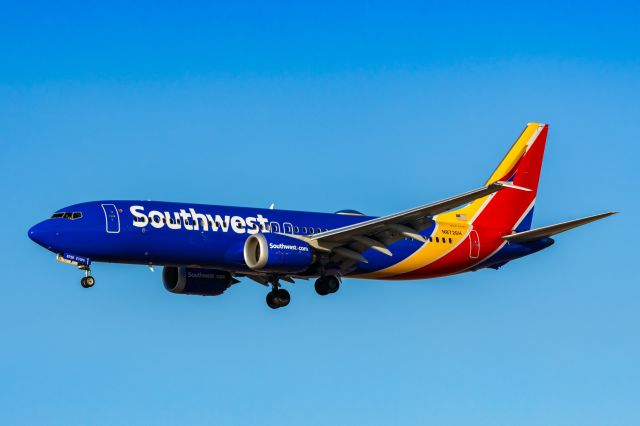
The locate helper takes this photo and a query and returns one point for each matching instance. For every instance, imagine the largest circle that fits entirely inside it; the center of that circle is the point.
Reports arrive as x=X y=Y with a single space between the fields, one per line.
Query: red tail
x=511 y=209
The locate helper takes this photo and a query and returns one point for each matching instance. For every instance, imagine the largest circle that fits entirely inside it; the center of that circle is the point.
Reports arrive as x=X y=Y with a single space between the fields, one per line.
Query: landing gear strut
x=278 y=297
x=87 y=281
x=327 y=285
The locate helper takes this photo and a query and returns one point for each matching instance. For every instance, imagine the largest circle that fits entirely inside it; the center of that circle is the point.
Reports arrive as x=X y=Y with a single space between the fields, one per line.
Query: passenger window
x=287 y=229
x=450 y=241
x=296 y=229
x=437 y=239
x=304 y=229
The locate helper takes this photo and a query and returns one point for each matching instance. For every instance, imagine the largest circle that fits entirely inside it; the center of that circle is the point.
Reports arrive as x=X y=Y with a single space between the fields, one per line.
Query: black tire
x=83 y=282
x=282 y=297
x=327 y=285
x=332 y=284
x=89 y=281
x=321 y=287
x=271 y=300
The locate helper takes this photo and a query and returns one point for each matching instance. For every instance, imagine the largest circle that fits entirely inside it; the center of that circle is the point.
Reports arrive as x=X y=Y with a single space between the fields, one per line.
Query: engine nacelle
x=277 y=253
x=201 y=282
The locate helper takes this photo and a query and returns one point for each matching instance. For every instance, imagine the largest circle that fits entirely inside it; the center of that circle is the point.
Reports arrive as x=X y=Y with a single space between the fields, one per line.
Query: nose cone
x=42 y=234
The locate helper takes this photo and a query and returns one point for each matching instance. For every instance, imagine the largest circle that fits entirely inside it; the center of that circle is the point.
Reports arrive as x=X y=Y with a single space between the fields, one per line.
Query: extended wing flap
x=547 y=231
x=346 y=233
x=347 y=243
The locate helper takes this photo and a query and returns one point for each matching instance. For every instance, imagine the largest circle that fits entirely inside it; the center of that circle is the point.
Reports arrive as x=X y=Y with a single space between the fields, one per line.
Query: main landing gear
x=87 y=281
x=327 y=285
x=278 y=297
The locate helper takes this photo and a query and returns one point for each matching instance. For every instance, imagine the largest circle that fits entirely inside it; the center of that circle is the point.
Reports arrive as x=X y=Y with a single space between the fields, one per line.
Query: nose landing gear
x=83 y=263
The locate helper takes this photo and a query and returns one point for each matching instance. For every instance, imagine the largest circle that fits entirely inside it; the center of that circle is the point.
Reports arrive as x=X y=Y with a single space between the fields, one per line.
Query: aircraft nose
x=41 y=234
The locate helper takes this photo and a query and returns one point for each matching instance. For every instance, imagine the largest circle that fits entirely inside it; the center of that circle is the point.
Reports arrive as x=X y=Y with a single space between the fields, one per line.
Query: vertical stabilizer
x=511 y=210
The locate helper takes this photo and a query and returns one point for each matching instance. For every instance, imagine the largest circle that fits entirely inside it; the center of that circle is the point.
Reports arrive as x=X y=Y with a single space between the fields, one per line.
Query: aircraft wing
x=547 y=231
x=348 y=242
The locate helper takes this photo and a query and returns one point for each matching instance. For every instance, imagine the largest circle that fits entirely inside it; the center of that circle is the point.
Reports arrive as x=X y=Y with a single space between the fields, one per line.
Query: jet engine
x=201 y=282
x=277 y=253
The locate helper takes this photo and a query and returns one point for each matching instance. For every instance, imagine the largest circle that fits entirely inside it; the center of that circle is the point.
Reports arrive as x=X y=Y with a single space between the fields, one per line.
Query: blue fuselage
x=167 y=233
x=214 y=237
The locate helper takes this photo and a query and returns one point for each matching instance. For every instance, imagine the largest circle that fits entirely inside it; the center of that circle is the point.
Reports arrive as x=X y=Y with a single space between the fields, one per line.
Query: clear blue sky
x=377 y=107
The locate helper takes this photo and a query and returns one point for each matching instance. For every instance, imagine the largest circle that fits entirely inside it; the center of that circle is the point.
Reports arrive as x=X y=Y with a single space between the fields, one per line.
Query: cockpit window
x=67 y=215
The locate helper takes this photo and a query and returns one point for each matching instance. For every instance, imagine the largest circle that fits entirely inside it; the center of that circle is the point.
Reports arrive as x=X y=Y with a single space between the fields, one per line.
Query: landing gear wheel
x=90 y=281
x=271 y=301
x=278 y=298
x=283 y=297
x=327 y=285
x=87 y=281
x=332 y=283
x=320 y=287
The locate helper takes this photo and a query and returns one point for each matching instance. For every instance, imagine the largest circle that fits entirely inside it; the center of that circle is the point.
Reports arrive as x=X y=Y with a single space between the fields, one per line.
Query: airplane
x=204 y=249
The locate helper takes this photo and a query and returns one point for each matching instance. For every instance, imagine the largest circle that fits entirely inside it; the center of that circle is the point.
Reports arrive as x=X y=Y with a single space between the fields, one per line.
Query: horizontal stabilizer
x=547 y=231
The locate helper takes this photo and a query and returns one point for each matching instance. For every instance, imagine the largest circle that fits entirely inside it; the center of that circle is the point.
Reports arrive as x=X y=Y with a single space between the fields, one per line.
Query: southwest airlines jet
x=205 y=248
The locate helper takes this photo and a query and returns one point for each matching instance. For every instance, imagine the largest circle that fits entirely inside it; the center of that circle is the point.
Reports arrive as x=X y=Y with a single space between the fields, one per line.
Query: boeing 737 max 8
x=205 y=248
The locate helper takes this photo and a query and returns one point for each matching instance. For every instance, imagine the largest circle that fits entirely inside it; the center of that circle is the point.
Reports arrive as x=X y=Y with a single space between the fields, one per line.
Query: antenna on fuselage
x=272 y=206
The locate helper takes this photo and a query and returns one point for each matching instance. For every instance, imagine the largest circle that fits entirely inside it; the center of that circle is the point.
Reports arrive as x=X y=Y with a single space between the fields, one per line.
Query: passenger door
x=474 y=244
x=112 y=218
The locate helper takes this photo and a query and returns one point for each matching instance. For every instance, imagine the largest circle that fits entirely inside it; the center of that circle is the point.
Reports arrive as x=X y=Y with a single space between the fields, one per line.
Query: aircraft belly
x=419 y=263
